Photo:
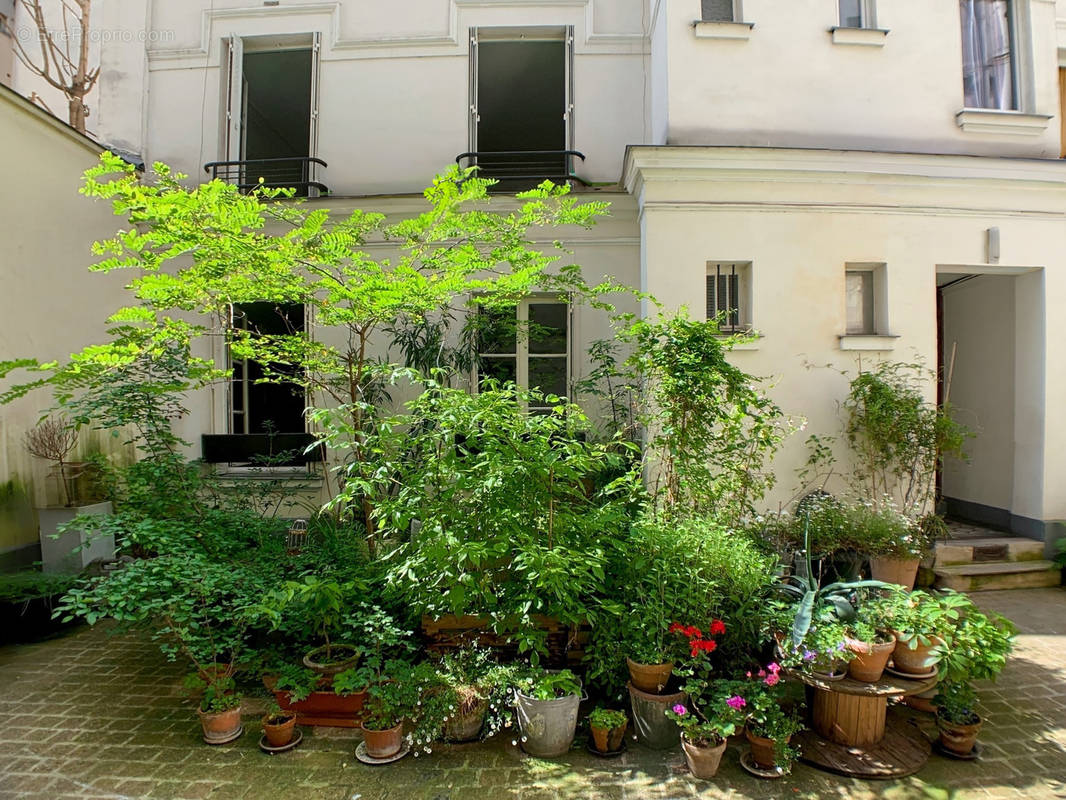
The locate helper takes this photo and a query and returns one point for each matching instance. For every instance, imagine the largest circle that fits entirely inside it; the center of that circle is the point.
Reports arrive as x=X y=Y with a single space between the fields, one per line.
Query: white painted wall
x=789 y=85
x=51 y=305
x=800 y=216
x=979 y=327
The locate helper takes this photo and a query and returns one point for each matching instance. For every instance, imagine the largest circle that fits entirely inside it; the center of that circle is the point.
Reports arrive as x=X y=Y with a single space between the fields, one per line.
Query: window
x=721 y=11
x=728 y=295
x=857 y=14
x=257 y=407
x=989 y=66
x=528 y=344
x=865 y=296
x=859 y=289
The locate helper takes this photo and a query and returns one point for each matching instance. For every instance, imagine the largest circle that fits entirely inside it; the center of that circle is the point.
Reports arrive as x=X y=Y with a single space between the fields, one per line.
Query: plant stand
x=852 y=733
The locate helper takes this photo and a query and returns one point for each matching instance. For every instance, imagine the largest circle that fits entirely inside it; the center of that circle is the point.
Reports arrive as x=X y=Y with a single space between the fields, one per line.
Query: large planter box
x=322 y=708
x=74 y=550
x=566 y=644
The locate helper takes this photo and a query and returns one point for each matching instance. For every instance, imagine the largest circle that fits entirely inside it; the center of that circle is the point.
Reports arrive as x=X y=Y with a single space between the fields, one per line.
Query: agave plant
x=811 y=596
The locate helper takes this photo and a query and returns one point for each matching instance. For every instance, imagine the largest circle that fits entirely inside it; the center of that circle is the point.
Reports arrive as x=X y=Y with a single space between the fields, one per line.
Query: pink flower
x=680 y=710
x=749 y=673
x=773 y=667
x=762 y=673
x=736 y=702
x=772 y=679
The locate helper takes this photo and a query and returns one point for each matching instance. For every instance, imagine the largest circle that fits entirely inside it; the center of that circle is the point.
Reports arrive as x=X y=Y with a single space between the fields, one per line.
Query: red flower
x=717 y=627
x=692 y=632
x=676 y=627
x=703 y=646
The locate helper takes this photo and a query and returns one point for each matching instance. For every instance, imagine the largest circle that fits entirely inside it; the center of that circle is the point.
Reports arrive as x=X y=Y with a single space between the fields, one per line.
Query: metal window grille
x=723 y=297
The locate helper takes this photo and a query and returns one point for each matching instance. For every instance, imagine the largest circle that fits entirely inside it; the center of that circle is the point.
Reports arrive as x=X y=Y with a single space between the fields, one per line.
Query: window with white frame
x=527 y=344
x=721 y=11
x=989 y=57
x=729 y=295
x=865 y=300
x=857 y=14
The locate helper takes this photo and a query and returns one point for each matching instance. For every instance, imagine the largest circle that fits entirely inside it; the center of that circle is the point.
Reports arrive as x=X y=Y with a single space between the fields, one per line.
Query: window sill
x=866 y=37
x=1002 y=123
x=722 y=30
x=867 y=341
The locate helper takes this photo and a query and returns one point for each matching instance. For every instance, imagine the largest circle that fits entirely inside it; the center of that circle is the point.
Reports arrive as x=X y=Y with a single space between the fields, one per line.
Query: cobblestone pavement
x=88 y=716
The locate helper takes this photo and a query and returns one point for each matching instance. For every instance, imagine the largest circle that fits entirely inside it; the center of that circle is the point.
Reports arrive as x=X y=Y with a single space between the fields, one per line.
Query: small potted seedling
x=608 y=729
x=220 y=707
x=279 y=726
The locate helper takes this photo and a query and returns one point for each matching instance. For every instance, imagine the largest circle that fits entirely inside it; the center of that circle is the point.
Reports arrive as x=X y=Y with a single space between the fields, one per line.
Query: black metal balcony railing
x=276 y=173
x=524 y=168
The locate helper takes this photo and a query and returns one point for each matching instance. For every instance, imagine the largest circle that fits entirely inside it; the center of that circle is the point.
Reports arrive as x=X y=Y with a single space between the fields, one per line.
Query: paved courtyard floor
x=88 y=716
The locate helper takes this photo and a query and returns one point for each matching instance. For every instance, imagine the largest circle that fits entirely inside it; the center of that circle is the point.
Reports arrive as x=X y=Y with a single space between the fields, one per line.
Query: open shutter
x=233 y=144
x=312 y=145
x=568 y=112
x=474 y=118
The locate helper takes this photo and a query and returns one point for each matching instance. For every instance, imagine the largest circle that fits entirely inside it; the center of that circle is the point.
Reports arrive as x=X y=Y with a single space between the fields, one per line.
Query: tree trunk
x=77 y=114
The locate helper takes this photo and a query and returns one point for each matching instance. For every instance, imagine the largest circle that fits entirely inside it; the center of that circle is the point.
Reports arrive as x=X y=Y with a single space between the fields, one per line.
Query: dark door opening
x=277 y=117
x=266 y=407
x=521 y=107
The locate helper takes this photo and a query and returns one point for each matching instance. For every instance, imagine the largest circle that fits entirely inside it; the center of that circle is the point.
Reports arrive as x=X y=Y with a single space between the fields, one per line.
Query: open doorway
x=521 y=104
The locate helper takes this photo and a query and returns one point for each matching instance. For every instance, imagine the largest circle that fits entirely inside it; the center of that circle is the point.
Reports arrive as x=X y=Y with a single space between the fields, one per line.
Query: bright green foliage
x=708 y=719
x=977 y=648
x=541 y=685
x=607 y=719
x=321 y=601
x=20 y=587
x=510 y=521
x=710 y=429
x=898 y=437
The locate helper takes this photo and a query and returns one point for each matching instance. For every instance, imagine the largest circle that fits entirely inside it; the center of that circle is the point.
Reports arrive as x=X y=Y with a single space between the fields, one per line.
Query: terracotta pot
x=958 y=738
x=608 y=740
x=650 y=677
x=919 y=660
x=279 y=734
x=703 y=761
x=465 y=727
x=923 y=701
x=341 y=657
x=762 y=750
x=221 y=726
x=901 y=571
x=322 y=707
x=870 y=660
x=382 y=744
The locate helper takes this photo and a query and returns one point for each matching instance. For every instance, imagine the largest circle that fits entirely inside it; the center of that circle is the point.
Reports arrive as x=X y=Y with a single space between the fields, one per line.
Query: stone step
x=995 y=575
x=1000 y=548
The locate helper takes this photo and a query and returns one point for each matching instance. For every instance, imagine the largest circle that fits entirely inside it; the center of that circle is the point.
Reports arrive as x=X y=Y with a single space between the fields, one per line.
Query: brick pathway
x=87 y=716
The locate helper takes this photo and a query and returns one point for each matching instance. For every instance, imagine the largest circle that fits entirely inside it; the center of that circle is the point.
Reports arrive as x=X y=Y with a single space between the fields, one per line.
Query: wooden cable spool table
x=852 y=732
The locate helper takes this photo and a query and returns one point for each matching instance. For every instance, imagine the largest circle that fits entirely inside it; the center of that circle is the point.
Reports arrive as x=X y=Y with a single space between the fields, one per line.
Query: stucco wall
x=51 y=305
x=799 y=217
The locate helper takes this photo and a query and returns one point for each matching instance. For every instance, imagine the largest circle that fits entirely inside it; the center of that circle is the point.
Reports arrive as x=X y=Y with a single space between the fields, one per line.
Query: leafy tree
x=200 y=251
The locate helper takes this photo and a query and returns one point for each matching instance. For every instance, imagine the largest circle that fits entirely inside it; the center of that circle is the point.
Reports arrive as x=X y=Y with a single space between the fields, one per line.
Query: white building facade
x=852 y=179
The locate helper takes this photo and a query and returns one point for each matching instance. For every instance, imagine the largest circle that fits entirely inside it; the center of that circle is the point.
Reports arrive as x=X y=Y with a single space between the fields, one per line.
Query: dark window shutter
x=718 y=10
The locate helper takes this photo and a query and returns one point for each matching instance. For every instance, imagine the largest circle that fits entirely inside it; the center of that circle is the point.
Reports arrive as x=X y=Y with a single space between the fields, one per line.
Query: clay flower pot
x=278 y=733
x=341 y=657
x=465 y=726
x=382 y=744
x=959 y=739
x=608 y=740
x=870 y=659
x=220 y=726
x=650 y=677
x=762 y=750
x=703 y=761
x=919 y=660
x=902 y=571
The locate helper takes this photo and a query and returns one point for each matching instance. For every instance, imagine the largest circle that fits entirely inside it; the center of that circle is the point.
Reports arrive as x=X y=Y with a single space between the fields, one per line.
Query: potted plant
x=770 y=722
x=324 y=603
x=608 y=728
x=977 y=649
x=219 y=708
x=871 y=643
x=824 y=652
x=895 y=543
x=68 y=544
x=705 y=729
x=547 y=703
x=279 y=726
x=476 y=690
x=654 y=648
x=922 y=622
